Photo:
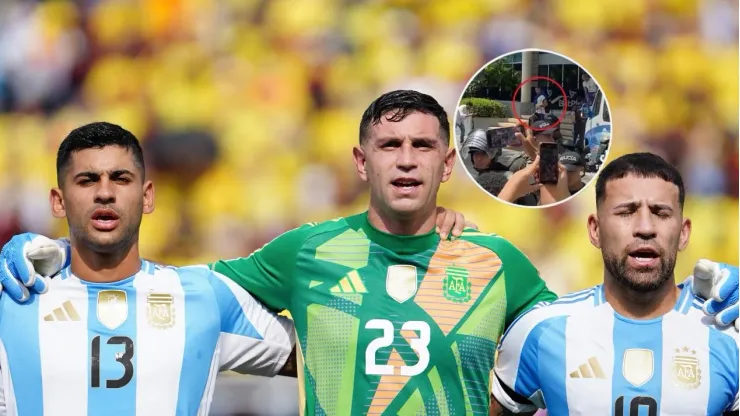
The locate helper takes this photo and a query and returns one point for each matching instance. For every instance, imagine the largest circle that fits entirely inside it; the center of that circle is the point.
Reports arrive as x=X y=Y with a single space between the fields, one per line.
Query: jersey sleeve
x=268 y=272
x=253 y=340
x=516 y=382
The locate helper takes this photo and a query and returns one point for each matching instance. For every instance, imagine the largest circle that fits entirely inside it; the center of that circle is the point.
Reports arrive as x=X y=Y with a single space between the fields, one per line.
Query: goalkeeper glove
x=25 y=259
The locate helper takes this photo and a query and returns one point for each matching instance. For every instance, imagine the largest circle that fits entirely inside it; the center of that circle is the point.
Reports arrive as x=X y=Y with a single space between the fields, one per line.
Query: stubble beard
x=639 y=280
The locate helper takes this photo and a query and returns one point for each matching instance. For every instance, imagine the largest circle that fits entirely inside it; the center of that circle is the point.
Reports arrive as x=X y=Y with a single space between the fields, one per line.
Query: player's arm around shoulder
x=516 y=385
x=253 y=339
x=524 y=286
x=267 y=273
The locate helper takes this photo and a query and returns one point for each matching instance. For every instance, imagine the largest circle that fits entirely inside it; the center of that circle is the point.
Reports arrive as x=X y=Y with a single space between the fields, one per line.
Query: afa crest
x=456 y=286
x=161 y=310
x=686 y=368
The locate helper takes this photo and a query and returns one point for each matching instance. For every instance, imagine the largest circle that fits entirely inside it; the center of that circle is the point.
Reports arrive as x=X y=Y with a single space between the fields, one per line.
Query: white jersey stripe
x=160 y=304
x=63 y=348
x=589 y=366
x=685 y=348
x=7 y=406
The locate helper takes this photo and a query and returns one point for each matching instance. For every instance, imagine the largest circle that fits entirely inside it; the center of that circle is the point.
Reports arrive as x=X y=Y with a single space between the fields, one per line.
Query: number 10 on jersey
x=419 y=345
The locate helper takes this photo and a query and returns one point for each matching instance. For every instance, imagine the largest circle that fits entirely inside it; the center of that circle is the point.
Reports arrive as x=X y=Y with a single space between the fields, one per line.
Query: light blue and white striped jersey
x=151 y=344
x=577 y=356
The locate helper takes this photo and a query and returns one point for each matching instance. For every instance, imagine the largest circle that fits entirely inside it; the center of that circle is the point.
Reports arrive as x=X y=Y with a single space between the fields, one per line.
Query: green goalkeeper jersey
x=392 y=325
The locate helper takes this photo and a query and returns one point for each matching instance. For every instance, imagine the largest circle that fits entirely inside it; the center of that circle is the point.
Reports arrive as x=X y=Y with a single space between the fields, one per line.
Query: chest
x=109 y=337
x=401 y=312
x=635 y=370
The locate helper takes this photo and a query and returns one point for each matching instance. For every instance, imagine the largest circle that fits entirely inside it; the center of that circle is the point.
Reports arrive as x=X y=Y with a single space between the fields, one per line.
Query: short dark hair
x=402 y=103
x=643 y=165
x=97 y=136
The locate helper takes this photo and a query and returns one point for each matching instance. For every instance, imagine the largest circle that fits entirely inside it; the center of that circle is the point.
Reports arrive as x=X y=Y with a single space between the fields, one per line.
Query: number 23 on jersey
x=385 y=339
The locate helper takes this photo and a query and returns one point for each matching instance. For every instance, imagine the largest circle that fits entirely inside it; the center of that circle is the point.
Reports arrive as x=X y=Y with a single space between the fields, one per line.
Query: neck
x=575 y=186
x=640 y=305
x=420 y=222
x=98 y=267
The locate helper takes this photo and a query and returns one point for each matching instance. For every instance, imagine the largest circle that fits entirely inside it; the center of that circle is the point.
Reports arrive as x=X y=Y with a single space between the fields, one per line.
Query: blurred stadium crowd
x=248 y=109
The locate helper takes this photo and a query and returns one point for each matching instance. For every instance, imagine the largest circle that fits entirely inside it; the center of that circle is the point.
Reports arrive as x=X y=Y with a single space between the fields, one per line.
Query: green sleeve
x=268 y=272
x=524 y=286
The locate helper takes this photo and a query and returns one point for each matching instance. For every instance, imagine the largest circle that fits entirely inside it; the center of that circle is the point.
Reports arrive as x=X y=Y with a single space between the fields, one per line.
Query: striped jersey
x=151 y=344
x=577 y=356
x=392 y=325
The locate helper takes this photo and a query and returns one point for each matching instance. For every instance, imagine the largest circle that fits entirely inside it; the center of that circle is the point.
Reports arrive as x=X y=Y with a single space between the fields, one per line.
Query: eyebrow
x=111 y=173
x=413 y=139
x=635 y=204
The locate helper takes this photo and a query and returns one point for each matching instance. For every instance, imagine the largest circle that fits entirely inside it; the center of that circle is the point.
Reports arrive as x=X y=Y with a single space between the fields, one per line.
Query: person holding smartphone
x=545 y=176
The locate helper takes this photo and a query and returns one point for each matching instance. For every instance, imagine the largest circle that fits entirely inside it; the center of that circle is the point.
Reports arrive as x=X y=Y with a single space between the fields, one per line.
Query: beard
x=640 y=279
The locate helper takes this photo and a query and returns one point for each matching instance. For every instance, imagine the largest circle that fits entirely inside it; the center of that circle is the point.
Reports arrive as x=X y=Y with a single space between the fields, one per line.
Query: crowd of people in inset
x=512 y=172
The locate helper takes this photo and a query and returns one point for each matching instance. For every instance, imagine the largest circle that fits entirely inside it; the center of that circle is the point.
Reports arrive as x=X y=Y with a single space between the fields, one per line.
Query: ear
x=593 y=230
x=358 y=155
x=56 y=200
x=450 y=158
x=148 y=197
x=683 y=239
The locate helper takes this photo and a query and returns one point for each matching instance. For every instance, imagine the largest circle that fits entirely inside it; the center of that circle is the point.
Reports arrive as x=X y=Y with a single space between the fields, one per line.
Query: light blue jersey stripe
x=196 y=366
x=528 y=375
x=552 y=362
x=637 y=338
x=23 y=352
x=684 y=300
x=233 y=319
x=723 y=371
x=111 y=390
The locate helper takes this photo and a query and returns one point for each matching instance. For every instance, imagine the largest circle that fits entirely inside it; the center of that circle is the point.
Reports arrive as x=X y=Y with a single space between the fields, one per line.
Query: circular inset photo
x=532 y=128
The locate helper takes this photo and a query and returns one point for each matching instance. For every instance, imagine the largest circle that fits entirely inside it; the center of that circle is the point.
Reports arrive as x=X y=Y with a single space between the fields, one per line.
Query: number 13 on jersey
x=419 y=345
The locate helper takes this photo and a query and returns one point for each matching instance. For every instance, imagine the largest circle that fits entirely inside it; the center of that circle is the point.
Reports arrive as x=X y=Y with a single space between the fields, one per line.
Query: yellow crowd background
x=248 y=109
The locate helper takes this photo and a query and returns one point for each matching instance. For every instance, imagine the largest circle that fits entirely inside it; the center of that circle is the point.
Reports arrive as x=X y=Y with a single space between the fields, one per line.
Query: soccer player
x=636 y=344
x=116 y=334
x=391 y=318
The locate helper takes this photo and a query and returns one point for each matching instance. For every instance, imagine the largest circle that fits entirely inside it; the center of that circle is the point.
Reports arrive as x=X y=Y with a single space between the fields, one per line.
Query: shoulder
x=502 y=247
x=313 y=230
x=545 y=313
x=692 y=314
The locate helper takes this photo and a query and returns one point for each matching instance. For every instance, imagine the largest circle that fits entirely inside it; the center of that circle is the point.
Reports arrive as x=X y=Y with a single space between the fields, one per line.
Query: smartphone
x=548 y=163
x=499 y=137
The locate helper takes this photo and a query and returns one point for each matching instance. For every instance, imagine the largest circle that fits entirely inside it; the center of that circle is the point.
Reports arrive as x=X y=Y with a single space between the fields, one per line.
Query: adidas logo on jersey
x=66 y=312
x=351 y=283
x=590 y=369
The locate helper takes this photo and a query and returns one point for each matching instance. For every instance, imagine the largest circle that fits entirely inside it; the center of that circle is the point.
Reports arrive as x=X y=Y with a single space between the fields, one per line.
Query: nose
x=644 y=228
x=406 y=159
x=105 y=192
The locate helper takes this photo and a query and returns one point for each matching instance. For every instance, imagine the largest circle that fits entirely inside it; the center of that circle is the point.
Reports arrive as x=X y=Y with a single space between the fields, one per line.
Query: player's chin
x=106 y=241
x=642 y=280
x=406 y=206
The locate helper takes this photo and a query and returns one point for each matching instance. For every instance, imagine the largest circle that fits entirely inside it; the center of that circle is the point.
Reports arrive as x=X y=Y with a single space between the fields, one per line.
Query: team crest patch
x=686 y=368
x=456 y=286
x=112 y=308
x=400 y=282
x=161 y=310
x=638 y=366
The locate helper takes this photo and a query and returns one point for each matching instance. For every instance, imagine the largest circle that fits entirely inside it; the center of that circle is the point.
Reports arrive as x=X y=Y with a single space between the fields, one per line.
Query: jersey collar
x=401 y=244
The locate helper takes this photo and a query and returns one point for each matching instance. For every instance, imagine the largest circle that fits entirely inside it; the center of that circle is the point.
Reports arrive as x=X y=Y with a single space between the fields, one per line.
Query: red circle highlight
x=536 y=77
